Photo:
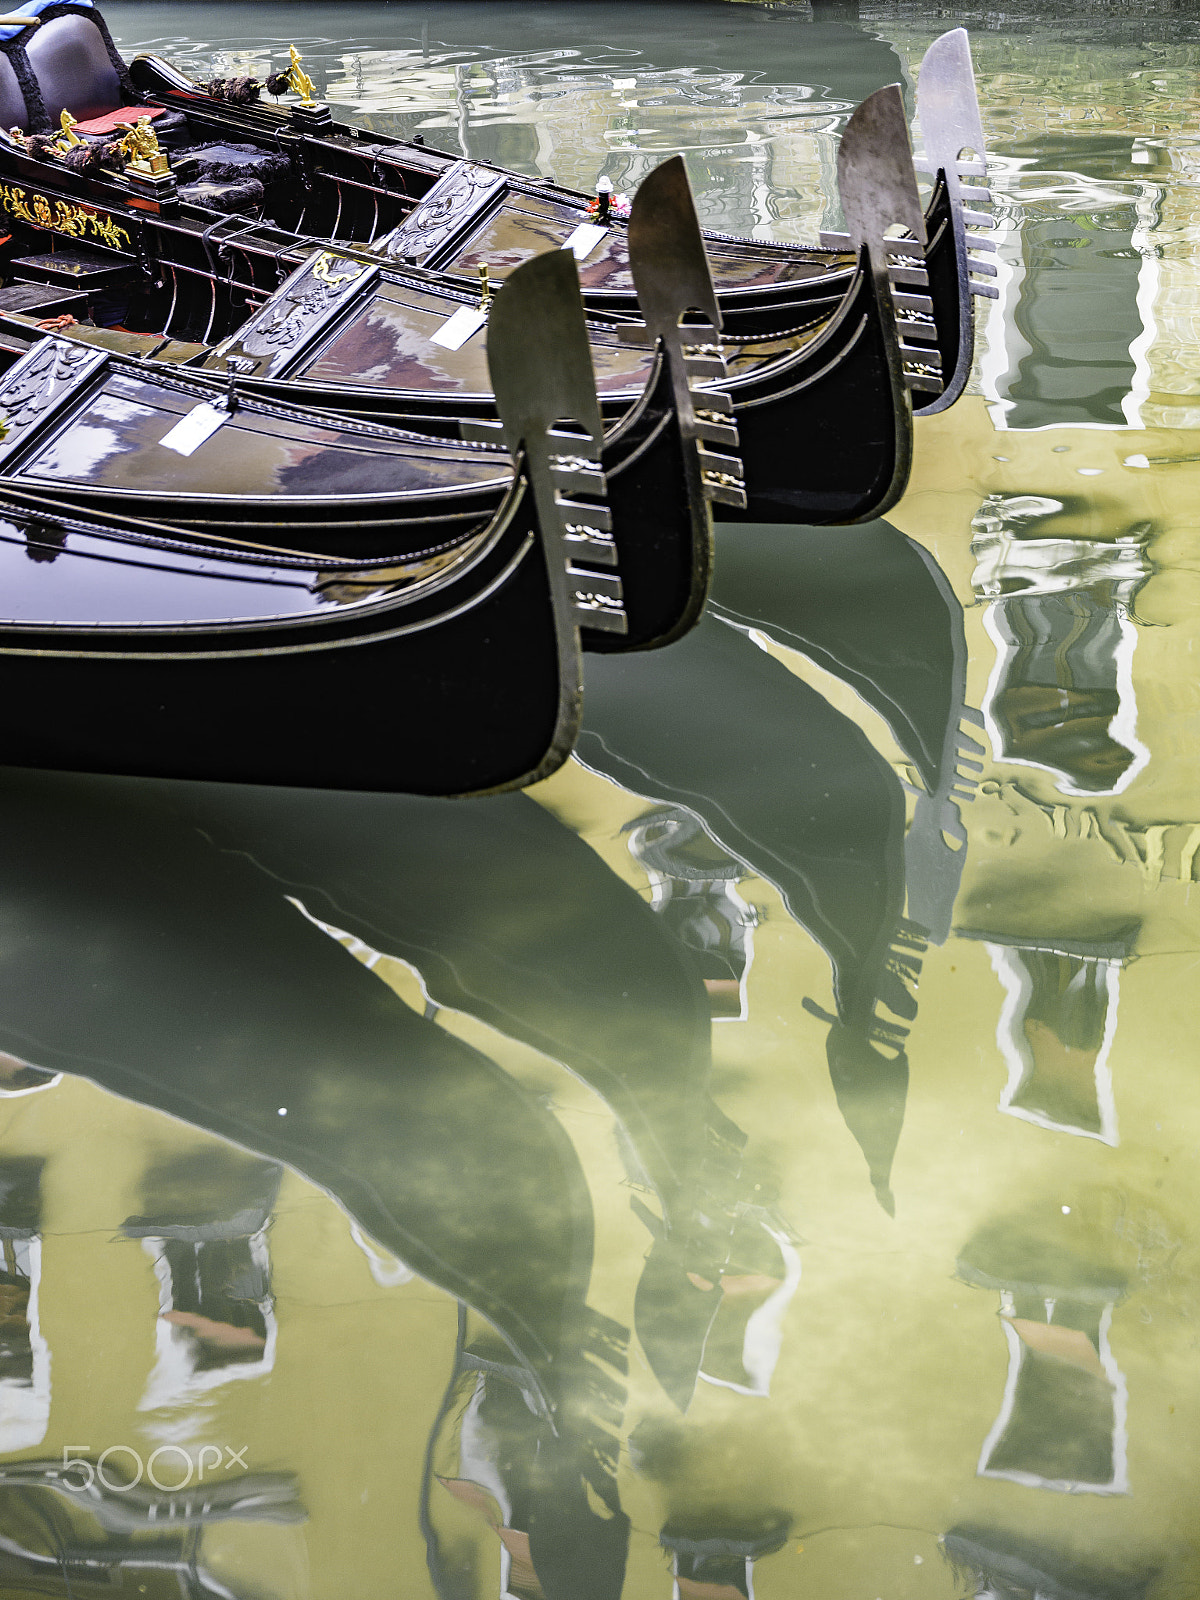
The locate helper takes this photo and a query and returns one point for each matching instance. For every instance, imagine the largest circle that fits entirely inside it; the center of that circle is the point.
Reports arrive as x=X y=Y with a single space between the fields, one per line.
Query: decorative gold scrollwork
x=321 y=269
x=62 y=217
x=66 y=137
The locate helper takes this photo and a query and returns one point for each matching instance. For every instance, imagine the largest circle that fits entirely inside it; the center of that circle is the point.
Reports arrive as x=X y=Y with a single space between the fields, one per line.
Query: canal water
x=760 y=1161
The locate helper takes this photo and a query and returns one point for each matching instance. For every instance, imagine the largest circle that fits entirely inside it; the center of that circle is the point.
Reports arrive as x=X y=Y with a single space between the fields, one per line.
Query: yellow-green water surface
x=762 y=1160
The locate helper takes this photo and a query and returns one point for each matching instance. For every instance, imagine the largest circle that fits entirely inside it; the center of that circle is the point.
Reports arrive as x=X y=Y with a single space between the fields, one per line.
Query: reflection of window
x=714 y=1564
x=1061 y=1423
x=219 y=1292
x=24 y=1357
x=693 y=887
x=1061 y=694
x=1055 y=1032
x=204 y=1227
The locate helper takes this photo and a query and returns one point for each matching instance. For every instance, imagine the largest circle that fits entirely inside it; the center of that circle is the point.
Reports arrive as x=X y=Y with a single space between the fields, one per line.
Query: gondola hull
x=448 y=664
x=124 y=651
x=86 y=431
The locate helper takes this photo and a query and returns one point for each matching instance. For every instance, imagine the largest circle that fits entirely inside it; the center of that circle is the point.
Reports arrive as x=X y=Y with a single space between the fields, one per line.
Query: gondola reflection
x=284 y=1044
x=876 y=612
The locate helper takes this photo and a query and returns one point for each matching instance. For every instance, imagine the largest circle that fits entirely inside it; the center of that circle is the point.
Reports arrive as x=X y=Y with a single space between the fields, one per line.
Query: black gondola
x=455 y=215
x=823 y=413
x=296 y=168
x=93 y=428
x=450 y=665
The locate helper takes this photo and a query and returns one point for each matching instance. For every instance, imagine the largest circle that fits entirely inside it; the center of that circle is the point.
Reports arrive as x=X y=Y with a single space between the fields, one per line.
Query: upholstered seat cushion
x=69 y=58
x=245 y=195
x=233 y=163
x=110 y=121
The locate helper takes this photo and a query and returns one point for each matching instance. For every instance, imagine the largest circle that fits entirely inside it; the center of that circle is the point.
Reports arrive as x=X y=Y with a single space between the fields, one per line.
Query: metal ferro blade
x=538 y=352
x=948 y=107
x=666 y=251
x=948 y=111
x=541 y=369
x=875 y=172
x=672 y=277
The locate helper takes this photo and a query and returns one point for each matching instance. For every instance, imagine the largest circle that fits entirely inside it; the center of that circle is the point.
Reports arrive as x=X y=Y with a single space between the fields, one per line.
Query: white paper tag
x=190 y=432
x=456 y=330
x=585 y=239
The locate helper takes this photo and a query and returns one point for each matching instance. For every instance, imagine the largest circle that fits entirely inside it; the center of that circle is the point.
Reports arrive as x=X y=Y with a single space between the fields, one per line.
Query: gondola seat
x=232 y=198
x=69 y=63
x=231 y=163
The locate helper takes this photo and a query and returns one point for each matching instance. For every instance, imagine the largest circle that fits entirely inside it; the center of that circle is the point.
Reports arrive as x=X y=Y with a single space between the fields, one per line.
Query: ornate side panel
x=38 y=385
x=303 y=308
x=450 y=208
x=67 y=217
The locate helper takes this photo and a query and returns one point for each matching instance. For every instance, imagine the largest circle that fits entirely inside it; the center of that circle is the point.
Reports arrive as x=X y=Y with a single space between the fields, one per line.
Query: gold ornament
x=299 y=81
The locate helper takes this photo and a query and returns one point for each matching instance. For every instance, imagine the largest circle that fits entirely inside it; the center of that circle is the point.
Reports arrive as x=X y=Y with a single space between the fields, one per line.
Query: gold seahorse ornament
x=66 y=137
x=299 y=81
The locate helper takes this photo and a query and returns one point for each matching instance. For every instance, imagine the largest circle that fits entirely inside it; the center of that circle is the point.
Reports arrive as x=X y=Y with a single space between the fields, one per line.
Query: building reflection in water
x=63 y=1538
x=1059 y=612
x=24 y=1356
x=1062 y=1420
x=1056 y=1029
x=204 y=1226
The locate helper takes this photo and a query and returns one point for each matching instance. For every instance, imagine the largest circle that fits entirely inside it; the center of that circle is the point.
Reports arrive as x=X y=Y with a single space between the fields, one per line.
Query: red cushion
x=108 y=122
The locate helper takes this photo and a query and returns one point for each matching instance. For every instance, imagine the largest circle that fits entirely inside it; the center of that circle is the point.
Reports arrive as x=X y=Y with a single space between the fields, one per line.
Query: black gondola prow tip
x=666 y=251
x=533 y=396
x=875 y=174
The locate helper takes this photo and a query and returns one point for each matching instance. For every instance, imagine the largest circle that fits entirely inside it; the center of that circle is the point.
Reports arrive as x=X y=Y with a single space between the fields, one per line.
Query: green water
x=762 y=1160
